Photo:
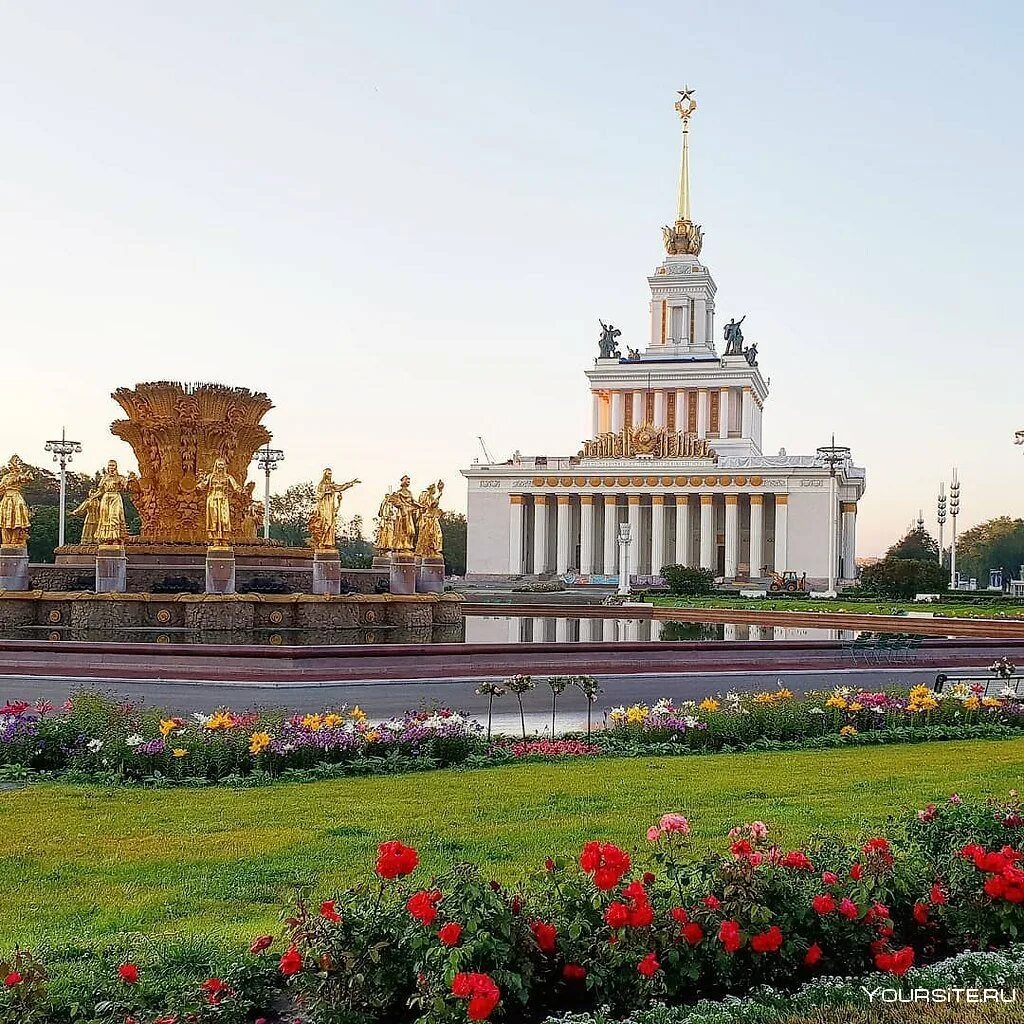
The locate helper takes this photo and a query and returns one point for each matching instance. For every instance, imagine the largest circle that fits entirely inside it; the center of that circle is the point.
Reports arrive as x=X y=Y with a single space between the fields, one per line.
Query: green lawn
x=949 y=608
x=86 y=864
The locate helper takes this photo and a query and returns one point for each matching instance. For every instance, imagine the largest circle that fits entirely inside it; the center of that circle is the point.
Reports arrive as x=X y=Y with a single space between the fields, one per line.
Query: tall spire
x=684 y=237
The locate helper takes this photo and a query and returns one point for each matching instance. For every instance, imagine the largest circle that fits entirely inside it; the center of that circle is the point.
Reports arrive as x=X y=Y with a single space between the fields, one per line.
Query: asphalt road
x=384 y=699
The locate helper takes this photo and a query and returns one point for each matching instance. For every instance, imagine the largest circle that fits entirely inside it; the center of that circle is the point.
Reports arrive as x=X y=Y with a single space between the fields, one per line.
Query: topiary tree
x=905 y=577
x=684 y=579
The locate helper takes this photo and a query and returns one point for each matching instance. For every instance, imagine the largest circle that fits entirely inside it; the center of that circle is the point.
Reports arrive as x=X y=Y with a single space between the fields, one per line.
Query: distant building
x=674 y=450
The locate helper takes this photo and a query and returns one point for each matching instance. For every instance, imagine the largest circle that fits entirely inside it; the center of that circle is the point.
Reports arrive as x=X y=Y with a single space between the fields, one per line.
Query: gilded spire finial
x=684 y=237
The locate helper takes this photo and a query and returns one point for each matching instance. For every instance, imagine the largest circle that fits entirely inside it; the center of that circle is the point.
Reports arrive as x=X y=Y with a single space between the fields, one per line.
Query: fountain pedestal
x=326 y=572
x=14 y=569
x=220 y=570
x=430 y=576
x=403 y=573
x=111 y=569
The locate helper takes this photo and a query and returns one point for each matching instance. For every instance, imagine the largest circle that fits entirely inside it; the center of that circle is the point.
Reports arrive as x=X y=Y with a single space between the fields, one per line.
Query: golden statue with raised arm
x=217 y=484
x=111 y=527
x=405 y=511
x=323 y=523
x=14 y=515
x=429 y=539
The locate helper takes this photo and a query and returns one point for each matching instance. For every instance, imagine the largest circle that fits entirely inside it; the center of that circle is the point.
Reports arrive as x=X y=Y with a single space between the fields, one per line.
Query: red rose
x=879 y=849
x=767 y=942
x=215 y=990
x=921 y=912
x=128 y=973
x=897 y=963
x=394 y=860
x=481 y=991
x=648 y=878
x=649 y=966
x=857 y=871
x=995 y=886
x=617 y=915
x=679 y=915
x=849 y=909
x=328 y=913
x=824 y=904
x=422 y=905
x=291 y=961
x=574 y=972
x=729 y=936
x=829 y=877
x=545 y=935
x=450 y=934
x=797 y=860
x=261 y=943
x=12 y=979
x=712 y=902
x=812 y=956
x=606 y=862
x=692 y=932
x=937 y=896
x=549 y=864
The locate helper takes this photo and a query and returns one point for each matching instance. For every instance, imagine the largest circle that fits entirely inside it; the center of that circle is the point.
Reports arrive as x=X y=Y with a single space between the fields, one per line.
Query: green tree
x=453 y=533
x=42 y=537
x=290 y=512
x=354 y=550
x=684 y=579
x=918 y=545
x=905 y=577
x=995 y=544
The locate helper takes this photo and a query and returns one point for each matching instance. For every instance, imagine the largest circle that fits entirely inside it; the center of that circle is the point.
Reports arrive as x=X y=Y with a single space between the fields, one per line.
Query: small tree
x=590 y=689
x=685 y=579
x=558 y=686
x=904 y=577
x=520 y=685
x=490 y=691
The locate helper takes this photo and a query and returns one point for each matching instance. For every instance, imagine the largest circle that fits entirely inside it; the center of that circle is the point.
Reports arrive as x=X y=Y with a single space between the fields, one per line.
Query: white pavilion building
x=675 y=451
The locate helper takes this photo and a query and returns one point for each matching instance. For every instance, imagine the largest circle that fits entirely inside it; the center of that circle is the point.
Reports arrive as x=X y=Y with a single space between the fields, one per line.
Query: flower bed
x=99 y=737
x=612 y=928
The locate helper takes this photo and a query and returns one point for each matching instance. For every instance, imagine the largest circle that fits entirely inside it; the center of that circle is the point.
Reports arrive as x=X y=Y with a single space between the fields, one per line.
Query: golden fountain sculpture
x=408 y=525
x=14 y=514
x=178 y=433
x=323 y=523
x=111 y=526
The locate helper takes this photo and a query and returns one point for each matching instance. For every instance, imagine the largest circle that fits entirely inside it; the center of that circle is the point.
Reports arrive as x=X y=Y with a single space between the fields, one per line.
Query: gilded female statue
x=111 y=527
x=323 y=523
x=90 y=509
x=429 y=540
x=384 y=535
x=14 y=517
x=405 y=509
x=217 y=483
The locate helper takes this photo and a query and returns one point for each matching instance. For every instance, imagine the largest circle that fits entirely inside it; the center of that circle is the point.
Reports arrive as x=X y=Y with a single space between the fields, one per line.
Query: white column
x=756 y=535
x=707 y=532
x=723 y=413
x=611 y=529
x=699 y=322
x=563 y=518
x=781 y=532
x=849 y=509
x=702 y=412
x=681 y=409
x=618 y=410
x=634 y=532
x=746 y=429
x=638 y=407
x=660 y=417
x=683 y=529
x=709 y=320
x=732 y=535
x=595 y=428
x=658 y=559
x=561 y=630
x=587 y=513
x=540 y=533
x=515 y=534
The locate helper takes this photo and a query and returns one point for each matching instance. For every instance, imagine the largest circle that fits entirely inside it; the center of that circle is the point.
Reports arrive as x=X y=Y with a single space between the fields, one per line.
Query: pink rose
x=654 y=833
x=674 y=823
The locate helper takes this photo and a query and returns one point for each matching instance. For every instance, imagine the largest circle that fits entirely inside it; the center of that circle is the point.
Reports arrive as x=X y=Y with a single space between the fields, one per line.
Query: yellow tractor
x=788 y=583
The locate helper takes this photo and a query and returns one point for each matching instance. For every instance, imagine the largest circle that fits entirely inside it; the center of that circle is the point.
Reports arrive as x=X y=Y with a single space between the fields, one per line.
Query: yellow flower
x=312 y=722
x=764 y=698
x=168 y=725
x=358 y=714
x=991 y=702
x=636 y=714
x=972 y=703
x=179 y=751
x=372 y=736
x=332 y=720
x=854 y=706
x=919 y=692
x=848 y=730
x=258 y=742
x=709 y=704
x=835 y=702
x=783 y=694
x=221 y=720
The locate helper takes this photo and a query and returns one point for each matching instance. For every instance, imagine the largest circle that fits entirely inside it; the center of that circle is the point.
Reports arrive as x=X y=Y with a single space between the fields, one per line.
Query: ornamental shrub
x=689 y=580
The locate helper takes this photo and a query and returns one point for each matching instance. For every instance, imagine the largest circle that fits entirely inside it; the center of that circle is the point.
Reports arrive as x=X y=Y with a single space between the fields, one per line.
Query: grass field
x=83 y=864
x=949 y=608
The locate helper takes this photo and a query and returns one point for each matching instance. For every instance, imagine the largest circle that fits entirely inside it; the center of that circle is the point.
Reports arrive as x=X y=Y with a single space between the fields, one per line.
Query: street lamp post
x=267 y=459
x=941 y=515
x=625 y=531
x=954 y=511
x=63 y=451
x=833 y=456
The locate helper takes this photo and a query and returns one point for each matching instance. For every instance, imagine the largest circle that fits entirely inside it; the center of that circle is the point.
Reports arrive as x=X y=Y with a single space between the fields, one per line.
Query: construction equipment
x=788 y=583
x=487 y=455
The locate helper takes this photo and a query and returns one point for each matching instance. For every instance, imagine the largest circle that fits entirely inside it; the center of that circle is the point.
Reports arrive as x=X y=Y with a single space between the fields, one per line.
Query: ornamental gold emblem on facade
x=647 y=441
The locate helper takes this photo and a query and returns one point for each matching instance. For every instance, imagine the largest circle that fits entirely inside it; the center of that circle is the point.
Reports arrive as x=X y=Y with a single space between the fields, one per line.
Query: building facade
x=675 y=452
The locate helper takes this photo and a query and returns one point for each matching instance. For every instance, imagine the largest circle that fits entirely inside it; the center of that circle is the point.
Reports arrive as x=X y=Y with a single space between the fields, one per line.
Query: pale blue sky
x=402 y=221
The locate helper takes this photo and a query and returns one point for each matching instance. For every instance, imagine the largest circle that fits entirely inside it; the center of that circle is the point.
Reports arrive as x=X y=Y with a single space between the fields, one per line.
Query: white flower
x=95 y=746
x=1007 y=691
x=132 y=741
x=815 y=711
x=201 y=718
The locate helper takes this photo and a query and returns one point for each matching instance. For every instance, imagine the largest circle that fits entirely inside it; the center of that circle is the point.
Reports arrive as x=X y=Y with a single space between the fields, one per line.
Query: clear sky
x=403 y=220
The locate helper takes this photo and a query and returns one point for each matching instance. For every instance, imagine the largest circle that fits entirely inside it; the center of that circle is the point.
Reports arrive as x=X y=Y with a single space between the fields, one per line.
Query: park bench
x=890 y=648
x=994 y=685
